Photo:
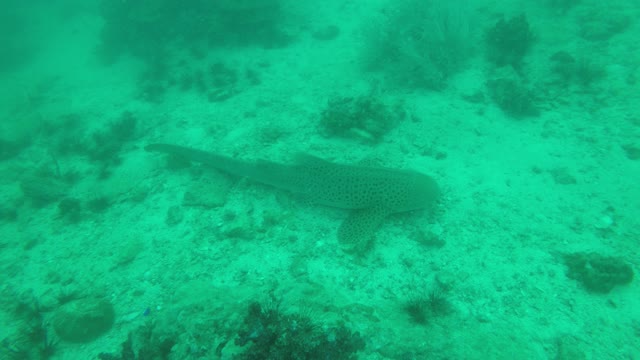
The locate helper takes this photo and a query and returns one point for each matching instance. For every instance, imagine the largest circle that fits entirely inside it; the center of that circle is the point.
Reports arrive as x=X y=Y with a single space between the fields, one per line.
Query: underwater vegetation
x=512 y=97
x=216 y=81
x=39 y=325
x=10 y=148
x=265 y=333
x=153 y=29
x=102 y=147
x=268 y=333
x=562 y=6
x=37 y=342
x=105 y=145
x=571 y=70
x=631 y=151
x=8 y=213
x=603 y=21
x=423 y=306
x=598 y=273
x=144 y=344
x=508 y=41
x=32 y=338
x=70 y=209
x=422 y=43
x=17 y=41
x=43 y=187
x=364 y=118
x=175 y=38
x=326 y=33
x=53 y=182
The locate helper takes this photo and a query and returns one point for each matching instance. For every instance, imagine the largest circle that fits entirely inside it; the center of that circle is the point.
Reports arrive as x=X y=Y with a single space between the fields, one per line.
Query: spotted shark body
x=370 y=193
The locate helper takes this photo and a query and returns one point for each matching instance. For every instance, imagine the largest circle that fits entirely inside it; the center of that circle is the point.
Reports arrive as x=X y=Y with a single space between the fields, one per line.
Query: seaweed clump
x=601 y=23
x=422 y=43
x=423 y=307
x=17 y=36
x=107 y=144
x=270 y=334
x=43 y=188
x=145 y=343
x=513 y=97
x=32 y=338
x=562 y=6
x=102 y=147
x=8 y=213
x=364 y=118
x=598 y=273
x=70 y=209
x=569 y=70
x=176 y=39
x=151 y=30
x=10 y=149
x=508 y=41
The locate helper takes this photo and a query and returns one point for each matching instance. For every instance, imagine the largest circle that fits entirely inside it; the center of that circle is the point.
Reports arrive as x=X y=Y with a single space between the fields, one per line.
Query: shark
x=370 y=194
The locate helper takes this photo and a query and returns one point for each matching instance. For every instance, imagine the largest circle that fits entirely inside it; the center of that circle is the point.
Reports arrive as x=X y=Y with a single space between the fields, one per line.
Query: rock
x=207 y=193
x=632 y=151
x=83 y=320
x=446 y=279
x=562 y=176
x=326 y=33
x=42 y=190
x=569 y=349
x=596 y=272
x=175 y=215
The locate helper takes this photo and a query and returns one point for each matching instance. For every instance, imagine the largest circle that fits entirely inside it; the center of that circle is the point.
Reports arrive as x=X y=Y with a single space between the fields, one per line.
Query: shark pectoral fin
x=357 y=231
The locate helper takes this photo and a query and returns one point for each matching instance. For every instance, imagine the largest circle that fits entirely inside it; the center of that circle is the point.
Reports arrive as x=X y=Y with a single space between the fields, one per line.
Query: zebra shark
x=370 y=194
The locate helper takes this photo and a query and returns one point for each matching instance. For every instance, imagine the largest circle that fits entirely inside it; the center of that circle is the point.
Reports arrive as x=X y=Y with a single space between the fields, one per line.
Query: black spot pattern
x=371 y=193
x=356 y=232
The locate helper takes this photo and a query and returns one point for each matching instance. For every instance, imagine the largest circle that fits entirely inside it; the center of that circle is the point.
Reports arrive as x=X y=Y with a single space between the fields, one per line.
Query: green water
x=524 y=113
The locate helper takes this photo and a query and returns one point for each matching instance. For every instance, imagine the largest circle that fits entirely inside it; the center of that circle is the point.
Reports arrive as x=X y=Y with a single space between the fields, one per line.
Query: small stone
x=429 y=239
x=445 y=279
x=175 y=215
x=562 y=176
x=326 y=33
x=569 y=349
x=483 y=318
x=129 y=252
x=604 y=223
x=632 y=151
x=206 y=193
